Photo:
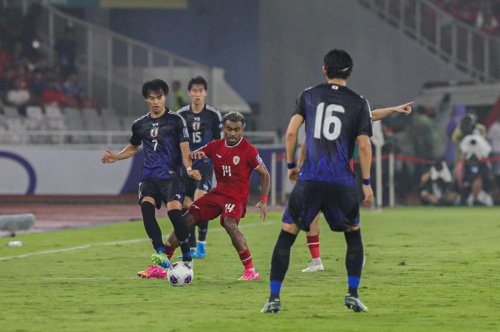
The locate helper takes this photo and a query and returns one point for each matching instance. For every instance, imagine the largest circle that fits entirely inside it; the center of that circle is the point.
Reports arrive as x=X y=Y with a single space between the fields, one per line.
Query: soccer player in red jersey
x=234 y=159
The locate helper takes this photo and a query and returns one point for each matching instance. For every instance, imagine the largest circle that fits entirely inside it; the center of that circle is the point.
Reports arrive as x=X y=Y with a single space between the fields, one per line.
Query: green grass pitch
x=427 y=269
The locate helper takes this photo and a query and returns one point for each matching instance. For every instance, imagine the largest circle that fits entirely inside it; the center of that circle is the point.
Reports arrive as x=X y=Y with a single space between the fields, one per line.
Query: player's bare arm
x=381 y=113
x=365 y=160
x=188 y=162
x=292 y=133
x=265 y=185
x=109 y=156
x=294 y=172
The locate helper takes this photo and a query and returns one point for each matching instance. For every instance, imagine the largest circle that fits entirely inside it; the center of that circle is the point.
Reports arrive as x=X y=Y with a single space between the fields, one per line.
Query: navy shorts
x=339 y=204
x=162 y=190
x=205 y=183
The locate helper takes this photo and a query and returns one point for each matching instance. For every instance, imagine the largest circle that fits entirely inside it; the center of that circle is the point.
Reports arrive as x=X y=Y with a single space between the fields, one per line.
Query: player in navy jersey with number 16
x=335 y=120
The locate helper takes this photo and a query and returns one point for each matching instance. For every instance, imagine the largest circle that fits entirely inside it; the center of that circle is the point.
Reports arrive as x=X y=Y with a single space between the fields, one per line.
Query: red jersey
x=233 y=166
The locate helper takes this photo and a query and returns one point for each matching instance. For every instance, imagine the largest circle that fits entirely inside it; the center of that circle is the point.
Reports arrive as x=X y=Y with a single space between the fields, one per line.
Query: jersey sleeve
x=300 y=105
x=135 y=139
x=207 y=149
x=182 y=130
x=254 y=158
x=365 y=119
x=217 y=126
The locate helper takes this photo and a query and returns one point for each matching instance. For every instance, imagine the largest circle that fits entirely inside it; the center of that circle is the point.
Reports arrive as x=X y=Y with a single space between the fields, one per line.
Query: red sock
x=169 y=250
x=313 y=244
x=246 y=259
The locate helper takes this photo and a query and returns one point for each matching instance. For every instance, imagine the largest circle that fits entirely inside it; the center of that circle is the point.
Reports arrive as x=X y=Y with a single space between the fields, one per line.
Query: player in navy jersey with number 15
x=204 y=125
x=165 y=141
x=335 y=120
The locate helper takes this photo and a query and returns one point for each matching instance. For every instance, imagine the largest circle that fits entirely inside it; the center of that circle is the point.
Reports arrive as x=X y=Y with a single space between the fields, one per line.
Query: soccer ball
x=180 y=274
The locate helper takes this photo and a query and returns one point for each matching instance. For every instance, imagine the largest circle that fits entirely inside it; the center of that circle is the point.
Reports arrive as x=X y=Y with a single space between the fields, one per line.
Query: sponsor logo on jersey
x=236 y=160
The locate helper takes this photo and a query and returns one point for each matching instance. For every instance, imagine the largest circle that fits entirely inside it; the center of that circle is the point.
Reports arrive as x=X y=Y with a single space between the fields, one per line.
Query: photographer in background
x=476 y=171
x=437 y=186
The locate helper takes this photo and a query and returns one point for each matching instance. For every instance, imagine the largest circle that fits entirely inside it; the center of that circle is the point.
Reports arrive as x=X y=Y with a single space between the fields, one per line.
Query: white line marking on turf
x=106 y=244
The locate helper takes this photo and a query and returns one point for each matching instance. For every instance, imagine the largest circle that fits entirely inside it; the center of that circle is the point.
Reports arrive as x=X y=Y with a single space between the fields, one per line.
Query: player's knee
x=353 y=240
x=148 y=200
x=290 y=228
x=352 y=228
x=187 y=203
x=148 y=210
x=230 y=224
x=189 y=219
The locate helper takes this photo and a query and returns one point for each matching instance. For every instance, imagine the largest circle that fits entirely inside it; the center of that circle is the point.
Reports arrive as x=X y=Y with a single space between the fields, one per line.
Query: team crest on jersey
x=154 y=131
x=236 y=160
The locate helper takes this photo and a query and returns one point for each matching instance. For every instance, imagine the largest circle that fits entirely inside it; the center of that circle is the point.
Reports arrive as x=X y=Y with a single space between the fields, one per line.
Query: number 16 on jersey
x=330 y=125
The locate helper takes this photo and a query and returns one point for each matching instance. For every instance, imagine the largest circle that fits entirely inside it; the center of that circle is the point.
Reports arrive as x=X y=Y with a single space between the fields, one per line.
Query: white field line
x=107 y=244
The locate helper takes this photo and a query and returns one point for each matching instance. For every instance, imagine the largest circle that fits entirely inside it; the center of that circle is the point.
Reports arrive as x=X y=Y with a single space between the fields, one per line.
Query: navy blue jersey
x=334 y=117
x=161 y=138
x=203 y=127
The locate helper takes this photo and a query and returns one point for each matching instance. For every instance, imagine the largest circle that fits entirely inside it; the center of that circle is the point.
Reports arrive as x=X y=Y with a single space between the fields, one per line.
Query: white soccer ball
x=180 y=274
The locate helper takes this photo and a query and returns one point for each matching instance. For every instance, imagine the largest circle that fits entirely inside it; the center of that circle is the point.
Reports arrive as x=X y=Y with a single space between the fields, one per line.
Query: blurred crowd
x=483 y=14
x=26 y=76
x=454 y=164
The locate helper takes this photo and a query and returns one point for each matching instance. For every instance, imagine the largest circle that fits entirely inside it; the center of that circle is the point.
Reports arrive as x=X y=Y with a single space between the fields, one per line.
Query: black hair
x=197 y=80
x=338 y=64
x=234 y=117
x=155 y=85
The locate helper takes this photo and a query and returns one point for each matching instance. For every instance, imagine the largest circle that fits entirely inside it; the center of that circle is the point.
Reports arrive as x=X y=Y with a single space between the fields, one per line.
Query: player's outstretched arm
x=365 y=160
x=110 y=157
x=381 y=113
x=265 y=185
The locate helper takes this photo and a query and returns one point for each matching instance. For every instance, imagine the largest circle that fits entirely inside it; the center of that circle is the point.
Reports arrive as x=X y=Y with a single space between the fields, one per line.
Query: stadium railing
x=101 y=137
x=468 y=48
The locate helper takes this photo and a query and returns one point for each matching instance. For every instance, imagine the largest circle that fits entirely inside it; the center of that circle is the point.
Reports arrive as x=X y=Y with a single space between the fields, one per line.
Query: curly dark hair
x=234 y=117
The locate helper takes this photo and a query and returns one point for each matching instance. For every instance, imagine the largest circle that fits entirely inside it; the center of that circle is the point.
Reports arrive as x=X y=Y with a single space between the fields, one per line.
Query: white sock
x=316 y=261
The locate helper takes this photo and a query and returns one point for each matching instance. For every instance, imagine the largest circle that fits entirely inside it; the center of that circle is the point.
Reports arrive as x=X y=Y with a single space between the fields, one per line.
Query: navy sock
x=161 y=250
x=354 y=260
x=280 y=261
x=181 y=232
x=192 y=234
x=202 y=231
x=275 y=289
x=151 y=225
x=192 y=237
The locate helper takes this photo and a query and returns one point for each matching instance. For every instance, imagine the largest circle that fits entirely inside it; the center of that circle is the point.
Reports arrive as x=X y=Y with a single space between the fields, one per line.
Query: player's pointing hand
x=405 y=108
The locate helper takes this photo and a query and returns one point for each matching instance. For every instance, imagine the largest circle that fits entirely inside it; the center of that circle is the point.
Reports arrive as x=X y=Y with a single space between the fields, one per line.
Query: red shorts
x=211 y=205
